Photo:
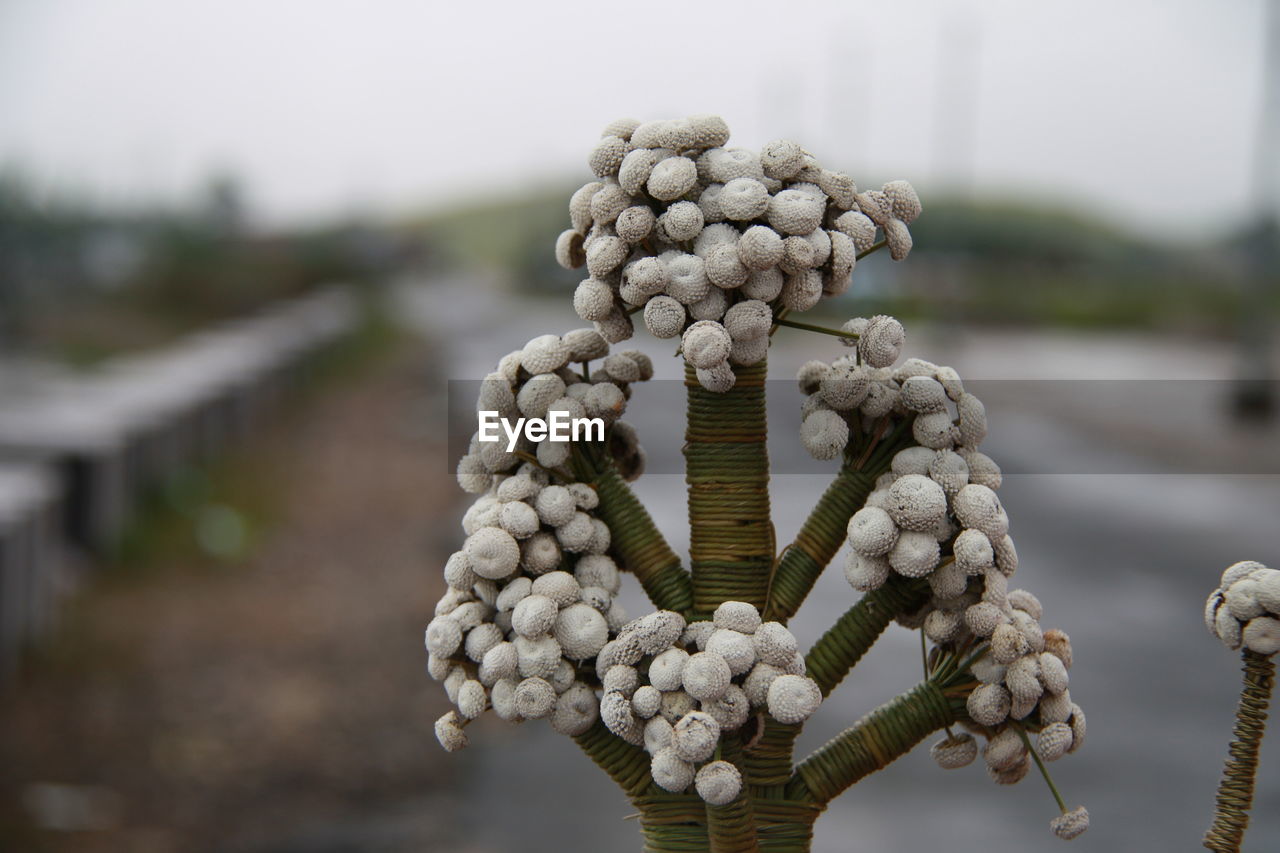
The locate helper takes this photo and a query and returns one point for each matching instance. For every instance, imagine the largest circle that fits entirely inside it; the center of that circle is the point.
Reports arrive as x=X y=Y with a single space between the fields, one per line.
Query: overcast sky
x=1145 y=110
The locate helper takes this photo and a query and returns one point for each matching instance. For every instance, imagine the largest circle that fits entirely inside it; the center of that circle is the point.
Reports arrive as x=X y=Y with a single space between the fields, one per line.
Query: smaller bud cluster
x=1244 y=611
x=1021 y=691
x=704 y=236
x=861 y=391
x=540 y=380
x=673 y=688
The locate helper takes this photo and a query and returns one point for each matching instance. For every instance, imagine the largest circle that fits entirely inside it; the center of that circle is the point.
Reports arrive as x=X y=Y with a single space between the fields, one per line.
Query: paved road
x=1122 y=561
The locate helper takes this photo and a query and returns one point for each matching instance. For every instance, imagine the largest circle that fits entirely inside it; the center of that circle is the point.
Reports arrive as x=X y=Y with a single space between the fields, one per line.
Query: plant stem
x=874 y=247
x=727 y=470
x=873 y=743
x=1235 y=791
x=843 y=645
x=1044 y=772
x=809 y=327
x=626 y=764
x=636 y=542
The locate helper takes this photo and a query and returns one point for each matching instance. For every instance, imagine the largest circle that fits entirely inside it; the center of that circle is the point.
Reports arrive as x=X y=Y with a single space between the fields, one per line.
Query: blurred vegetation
x=985 y=262
x=80 y=281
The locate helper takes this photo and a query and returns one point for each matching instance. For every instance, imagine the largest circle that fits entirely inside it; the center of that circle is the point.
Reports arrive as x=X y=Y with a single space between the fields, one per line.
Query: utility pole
x=1254 y=393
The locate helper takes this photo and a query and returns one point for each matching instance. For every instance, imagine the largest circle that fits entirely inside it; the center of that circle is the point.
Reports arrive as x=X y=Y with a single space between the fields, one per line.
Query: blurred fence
x=79 y=453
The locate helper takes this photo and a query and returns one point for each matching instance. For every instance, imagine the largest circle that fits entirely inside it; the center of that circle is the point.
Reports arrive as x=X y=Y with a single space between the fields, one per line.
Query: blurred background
x=245 y=247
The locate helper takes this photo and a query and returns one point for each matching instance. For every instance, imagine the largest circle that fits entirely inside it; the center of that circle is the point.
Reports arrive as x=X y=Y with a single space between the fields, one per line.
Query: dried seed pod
x=955 y=751
x=645 y=701
x=657 y=734
x=793 y=698
x=764 y=285
x=1262 y=635
x=706 y=344
x=492 y=552
x=695 y=736
x=743 y=199
x=737 y=616
x=634 y=224
x=774 y=644
x=881 y=343
x=705 y=676
x=736 y=648
x=450 y=733
x=581 y=631
x=534 y=698
x=537 y=658
x=1070 y=824
x=655 y=632
x=472 y=699
x=606 y=204
x=988 y=704
x=903 y=201
x=667 y=669
x=943 y=626
x=633 y=170
x=670 y=772
x=580 y=206
x=1005 y=750
x=593 y=300
x=792 y=211
x=872 y=532
x=916 y=502
x=576 y=710
x=978 y=507
x=718 y=783
x=760 y=248
x=864 y=573
x=844 y=386
x=443 y=636
x=1008 y=644
x=727 y=164
x=824 y=434
x=621 y=678
x=983 y=618
x=672 y=178
x=781 y=159
x=682 y=221
x=1077 y=723
x=561 y=587
x=1055 y=708
x=915 y=554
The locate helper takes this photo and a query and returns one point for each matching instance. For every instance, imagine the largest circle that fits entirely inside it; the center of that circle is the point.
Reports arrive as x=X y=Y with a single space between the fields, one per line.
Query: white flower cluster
x=1245 y=608
x=694 y=232
x=539 y=380
x=532 y=592
x=531 y=596
x=673 y=688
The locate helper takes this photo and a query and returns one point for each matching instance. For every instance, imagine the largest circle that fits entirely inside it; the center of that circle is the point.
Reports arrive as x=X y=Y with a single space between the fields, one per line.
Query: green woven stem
x=843 y=645
x=727 y=471
x=818 y=541
x=873 y=743
x=636 y=542
x=768 y=760
x=626 y=764
x=677 y=823
x=673 y=823
x=732 y=828
x=1235 y=792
